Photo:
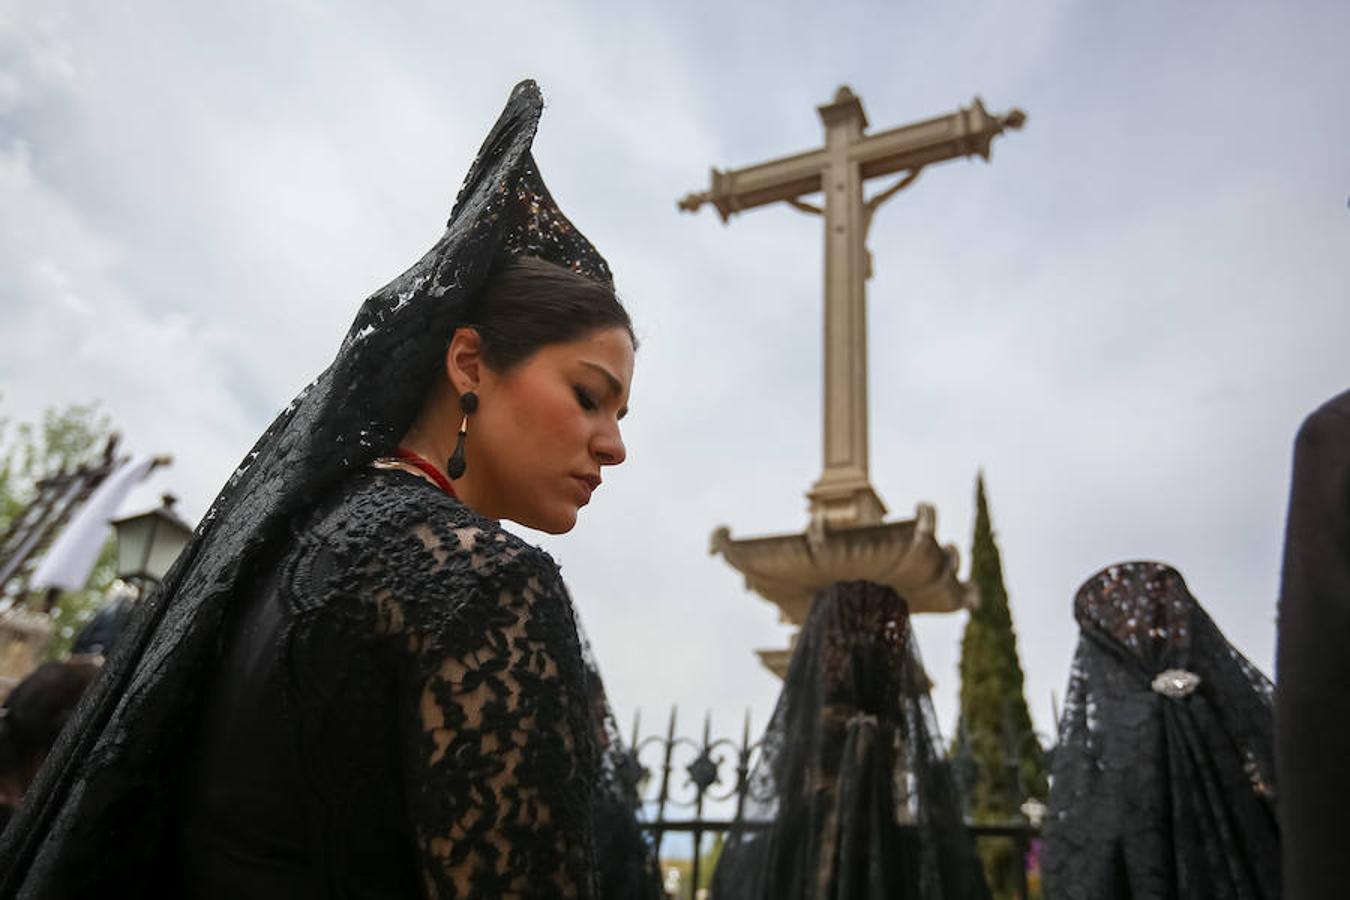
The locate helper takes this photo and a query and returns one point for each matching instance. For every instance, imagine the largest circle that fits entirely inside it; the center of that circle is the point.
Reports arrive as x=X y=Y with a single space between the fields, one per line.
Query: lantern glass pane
x=133 y=539
x=169 y=542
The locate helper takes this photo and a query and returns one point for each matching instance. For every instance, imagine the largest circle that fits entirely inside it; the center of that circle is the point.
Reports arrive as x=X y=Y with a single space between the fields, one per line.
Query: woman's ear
x=464 y=360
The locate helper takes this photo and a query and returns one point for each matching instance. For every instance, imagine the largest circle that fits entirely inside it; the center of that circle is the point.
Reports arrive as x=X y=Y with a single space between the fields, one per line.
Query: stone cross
x=843 y=496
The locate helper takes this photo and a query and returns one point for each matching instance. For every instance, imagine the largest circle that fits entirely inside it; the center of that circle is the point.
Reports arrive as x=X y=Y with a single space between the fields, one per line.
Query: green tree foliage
x=65 y=440
x=995 y=721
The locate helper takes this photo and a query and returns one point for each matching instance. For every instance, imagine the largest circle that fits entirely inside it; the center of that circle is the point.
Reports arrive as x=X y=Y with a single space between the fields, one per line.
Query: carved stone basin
x=789 y=569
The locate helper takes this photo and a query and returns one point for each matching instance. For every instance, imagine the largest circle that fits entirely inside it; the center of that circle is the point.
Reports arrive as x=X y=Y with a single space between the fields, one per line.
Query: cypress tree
x=995 y=722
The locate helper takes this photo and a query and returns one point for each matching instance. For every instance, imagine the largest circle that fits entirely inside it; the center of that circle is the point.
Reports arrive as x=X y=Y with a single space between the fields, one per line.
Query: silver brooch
x=1176 y=683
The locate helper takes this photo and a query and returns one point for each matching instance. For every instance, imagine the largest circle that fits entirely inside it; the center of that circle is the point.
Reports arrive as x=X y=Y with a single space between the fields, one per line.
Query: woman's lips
x=587 y=484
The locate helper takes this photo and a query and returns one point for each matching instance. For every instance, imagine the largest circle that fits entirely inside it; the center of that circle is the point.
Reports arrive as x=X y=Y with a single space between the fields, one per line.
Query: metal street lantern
x=148 y=543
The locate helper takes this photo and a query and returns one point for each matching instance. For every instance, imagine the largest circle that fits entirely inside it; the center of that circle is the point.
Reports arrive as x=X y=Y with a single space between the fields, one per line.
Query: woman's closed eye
x=585 y=399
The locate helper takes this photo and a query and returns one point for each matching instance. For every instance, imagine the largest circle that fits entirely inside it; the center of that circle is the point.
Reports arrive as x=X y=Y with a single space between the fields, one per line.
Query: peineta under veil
x=852 y=798
x=105 y=787
x=1163 y=782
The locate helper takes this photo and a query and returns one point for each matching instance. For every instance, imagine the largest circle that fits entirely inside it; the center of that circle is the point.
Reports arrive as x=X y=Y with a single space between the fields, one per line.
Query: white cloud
x=35 y=61
x=76 y=336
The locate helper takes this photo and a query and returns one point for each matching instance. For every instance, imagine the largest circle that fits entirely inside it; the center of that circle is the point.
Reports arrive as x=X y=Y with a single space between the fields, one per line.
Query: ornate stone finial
x=721 y=540
x=845 y=107
x=692 y=201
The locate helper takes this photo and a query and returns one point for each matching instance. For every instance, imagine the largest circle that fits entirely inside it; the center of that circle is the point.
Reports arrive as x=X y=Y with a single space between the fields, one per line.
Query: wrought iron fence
x=696 y=787
x=692 y=787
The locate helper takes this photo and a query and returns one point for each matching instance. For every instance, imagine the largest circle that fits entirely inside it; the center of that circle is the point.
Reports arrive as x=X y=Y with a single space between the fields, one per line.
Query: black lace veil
x=1163 y=779
x=852 y=796
x=105 y=783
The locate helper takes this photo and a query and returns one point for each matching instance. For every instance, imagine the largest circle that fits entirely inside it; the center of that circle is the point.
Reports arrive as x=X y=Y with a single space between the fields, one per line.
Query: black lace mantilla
x=1164 y=777
x=852 y=796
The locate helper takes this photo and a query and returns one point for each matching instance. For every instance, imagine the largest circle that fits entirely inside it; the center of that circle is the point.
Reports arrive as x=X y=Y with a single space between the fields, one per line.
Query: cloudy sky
x=1122 y=318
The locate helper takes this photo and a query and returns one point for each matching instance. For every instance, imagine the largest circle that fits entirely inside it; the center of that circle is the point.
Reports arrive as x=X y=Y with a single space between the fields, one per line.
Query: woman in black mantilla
x=852 y=797
x=1163 y=783
x=354 y=683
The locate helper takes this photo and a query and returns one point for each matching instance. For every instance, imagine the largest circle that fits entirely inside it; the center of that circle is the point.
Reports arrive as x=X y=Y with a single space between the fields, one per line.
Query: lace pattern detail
x=494 y=737
x=1142 y=607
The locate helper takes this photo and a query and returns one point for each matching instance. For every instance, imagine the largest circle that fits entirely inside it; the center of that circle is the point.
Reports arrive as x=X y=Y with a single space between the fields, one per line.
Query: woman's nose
x=608 y=447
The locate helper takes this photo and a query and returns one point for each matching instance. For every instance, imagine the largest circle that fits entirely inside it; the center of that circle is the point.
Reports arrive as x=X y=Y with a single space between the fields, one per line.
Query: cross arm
x=770 y=182
x=967 y=132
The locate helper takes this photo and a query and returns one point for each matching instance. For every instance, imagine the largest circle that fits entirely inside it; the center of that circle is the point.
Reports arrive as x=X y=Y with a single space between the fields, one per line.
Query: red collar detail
x=427 y=469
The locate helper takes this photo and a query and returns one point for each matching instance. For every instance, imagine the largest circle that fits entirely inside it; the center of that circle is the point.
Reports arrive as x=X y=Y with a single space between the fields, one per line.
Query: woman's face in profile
x=545 y=430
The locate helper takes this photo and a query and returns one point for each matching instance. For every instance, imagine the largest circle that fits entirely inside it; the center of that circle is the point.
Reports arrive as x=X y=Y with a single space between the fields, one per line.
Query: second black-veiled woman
x=1163 y=783
x=852 y=797
x=355 y=683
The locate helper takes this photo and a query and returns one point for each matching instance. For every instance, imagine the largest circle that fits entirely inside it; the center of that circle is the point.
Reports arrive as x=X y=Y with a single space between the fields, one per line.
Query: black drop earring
x=468 y=403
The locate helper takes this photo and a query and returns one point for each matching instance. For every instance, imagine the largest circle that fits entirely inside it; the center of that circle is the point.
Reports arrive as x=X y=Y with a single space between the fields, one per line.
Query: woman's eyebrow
x=615 y=385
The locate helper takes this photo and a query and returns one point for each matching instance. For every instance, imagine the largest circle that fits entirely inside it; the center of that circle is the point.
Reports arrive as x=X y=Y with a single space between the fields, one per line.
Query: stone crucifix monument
x=847 y=537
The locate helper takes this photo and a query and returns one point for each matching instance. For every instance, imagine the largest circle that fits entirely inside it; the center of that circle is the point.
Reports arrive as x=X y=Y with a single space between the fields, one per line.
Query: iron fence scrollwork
x=698 y=787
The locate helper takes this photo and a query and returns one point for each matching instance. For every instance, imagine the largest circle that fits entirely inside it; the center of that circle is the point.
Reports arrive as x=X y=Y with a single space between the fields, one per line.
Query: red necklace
x=427 y=469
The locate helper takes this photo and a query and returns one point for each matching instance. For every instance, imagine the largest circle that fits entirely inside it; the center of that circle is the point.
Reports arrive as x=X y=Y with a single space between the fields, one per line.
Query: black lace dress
x=401 y=705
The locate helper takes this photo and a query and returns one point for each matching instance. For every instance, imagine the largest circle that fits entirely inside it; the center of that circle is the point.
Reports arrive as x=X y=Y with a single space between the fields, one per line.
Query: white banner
x=71 y=557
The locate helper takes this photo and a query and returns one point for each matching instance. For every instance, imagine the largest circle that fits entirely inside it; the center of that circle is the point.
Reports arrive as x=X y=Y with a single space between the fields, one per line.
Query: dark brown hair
x=529 y=303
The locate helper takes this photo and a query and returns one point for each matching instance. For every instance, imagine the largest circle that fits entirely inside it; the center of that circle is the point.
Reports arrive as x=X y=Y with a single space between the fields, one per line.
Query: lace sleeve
x=497 y=753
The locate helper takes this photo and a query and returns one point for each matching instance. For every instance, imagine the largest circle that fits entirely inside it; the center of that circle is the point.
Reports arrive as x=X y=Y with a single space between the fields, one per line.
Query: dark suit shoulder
x=1330 y=421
